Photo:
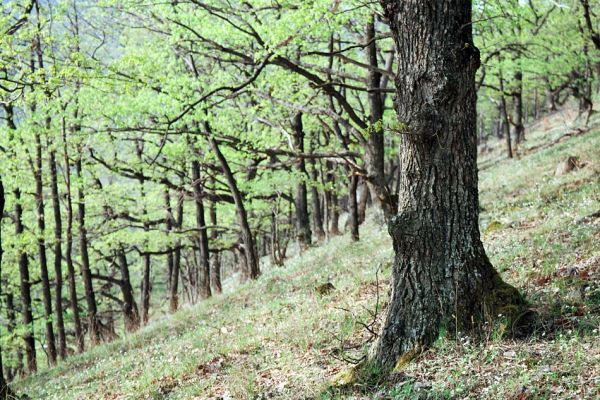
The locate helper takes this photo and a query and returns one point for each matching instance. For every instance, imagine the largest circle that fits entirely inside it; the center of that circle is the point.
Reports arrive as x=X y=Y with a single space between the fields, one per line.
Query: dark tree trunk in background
x=519 y=129
x=169 y=227
x=79 y=337
x=86 y=273
x=353 y=220
x=442 y=278
x=300 y=198
x=215 y=257
x=12 y=326
x=130 y=310
x=375 y=150
x=252 y=262
x=316 y=203
x=331 y=200
x=363 y=199
x=506 y=127
x=60 y=323
x=26 y=309
x=204 y=254
x=334 y=229
x=174 y=295
x=146 y=285
x=41 y=222
x=3 y=385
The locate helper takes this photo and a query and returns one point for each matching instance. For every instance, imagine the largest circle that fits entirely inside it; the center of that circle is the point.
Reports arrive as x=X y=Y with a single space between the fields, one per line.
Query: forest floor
x=285 y=336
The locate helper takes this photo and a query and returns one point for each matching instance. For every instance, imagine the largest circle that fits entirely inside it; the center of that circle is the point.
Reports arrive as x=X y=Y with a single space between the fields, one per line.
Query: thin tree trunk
x=300 y=199
x=519 y=129
x=506 y=124
x=60 y=323
x=169 y=227
x=253 y=269
x=375 y=151
x=204 y=252
x=26 y=309
x=316 y=203
x=79 y=337
x=3 y=383
x=86 y=273
x=215 y=257
x=130 y=310
x=363 y=199
x=41 y=222
x=353 y=207
x=442 y=279
x=12 y=326
x=174 y=296
x=506 y=127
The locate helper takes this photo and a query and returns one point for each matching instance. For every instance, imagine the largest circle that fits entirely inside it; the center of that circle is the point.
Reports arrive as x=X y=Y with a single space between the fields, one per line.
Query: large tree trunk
x=86 y=273
x=58 y=279
x=300 y=199
x=204 y=253
x=41 y=222
x=442 y=278
x=25 y=286
x=252 y=263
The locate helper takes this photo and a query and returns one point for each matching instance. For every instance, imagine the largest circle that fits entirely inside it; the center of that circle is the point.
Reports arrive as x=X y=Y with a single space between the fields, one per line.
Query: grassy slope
x=278 y=338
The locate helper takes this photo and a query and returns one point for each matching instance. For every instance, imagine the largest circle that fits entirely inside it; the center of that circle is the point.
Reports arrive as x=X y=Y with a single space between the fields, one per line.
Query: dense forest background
x=155 y=154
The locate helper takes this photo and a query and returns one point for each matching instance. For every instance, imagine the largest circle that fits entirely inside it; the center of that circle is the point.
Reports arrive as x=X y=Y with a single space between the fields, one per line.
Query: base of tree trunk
x=7 y=394
x=499 y=307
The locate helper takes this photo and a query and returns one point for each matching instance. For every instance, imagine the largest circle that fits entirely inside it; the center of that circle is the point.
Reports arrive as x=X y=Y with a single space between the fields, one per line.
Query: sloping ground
x=286 y=335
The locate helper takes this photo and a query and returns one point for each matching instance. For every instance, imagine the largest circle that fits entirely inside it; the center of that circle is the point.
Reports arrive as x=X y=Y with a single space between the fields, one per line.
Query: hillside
x=286 y=335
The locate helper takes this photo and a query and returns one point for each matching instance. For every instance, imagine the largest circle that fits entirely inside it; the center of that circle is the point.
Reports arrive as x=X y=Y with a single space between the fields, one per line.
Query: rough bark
x=204 y=252
x=86 y=273
x=252 y=269
x=442 y=278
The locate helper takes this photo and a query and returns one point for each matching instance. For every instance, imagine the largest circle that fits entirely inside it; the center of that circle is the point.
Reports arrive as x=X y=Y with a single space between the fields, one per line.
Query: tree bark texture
x=442 y=278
